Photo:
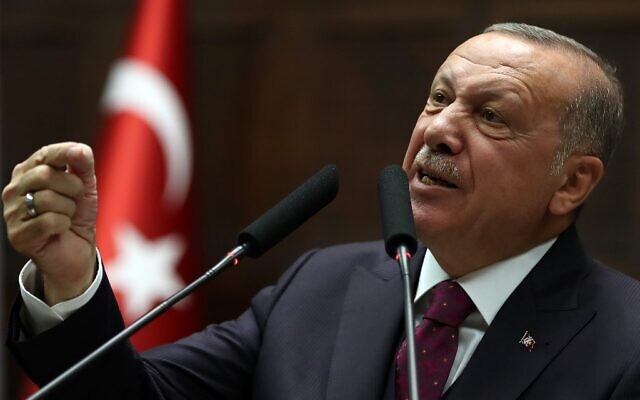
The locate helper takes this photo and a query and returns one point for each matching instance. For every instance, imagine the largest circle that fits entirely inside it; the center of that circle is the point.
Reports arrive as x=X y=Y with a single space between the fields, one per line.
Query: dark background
x=281 y=88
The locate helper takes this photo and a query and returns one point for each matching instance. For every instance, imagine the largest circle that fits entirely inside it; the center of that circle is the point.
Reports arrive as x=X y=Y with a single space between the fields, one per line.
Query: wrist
x=56 y=290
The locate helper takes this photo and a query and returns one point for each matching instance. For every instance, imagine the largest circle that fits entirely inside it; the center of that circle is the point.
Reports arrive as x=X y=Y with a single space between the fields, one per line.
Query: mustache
x=439 y=163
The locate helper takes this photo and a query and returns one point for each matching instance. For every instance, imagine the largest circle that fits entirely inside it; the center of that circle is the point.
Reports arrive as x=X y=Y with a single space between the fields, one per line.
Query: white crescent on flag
x=139 y=88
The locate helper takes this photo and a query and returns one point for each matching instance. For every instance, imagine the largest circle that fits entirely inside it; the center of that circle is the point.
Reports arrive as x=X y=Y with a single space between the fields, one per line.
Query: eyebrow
x=445 y=76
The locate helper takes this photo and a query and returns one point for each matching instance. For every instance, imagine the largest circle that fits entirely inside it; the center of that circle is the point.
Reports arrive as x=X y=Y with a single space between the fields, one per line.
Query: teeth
x=428 y=180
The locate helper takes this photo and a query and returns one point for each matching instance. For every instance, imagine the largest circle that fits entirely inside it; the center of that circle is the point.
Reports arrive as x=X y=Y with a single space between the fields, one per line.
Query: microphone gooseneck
x=254 y=240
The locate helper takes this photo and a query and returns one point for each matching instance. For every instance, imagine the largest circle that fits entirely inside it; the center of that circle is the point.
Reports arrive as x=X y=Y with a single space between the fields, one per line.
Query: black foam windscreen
x=395 y=209
x=290 y=212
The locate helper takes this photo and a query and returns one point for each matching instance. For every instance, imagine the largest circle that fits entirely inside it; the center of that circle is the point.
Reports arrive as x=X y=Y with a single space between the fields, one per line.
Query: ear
x=580 y=175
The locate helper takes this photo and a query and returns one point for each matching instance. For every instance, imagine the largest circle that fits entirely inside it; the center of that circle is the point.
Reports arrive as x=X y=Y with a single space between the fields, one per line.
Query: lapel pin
x=527 y=341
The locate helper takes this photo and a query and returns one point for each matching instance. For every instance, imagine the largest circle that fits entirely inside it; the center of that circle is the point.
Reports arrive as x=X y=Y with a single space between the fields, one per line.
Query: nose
x=443 y=132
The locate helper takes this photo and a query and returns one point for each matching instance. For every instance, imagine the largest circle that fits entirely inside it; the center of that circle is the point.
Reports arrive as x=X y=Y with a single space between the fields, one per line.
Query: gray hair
x=592 y=121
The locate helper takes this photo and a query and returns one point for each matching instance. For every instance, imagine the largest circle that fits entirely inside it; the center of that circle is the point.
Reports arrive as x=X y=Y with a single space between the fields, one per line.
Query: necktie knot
x=450 y=304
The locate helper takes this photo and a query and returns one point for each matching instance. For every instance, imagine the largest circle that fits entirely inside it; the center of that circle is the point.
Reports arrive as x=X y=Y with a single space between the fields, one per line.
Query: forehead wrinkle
x=505 y=68
x=497 y=64
x=447 y=75
x=521 y=80
x=516 y=73
x=529 y=74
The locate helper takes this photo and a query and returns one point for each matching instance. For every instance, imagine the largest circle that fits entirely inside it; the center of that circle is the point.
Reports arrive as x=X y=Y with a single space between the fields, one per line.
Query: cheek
x=494 y=167
x=517 y=181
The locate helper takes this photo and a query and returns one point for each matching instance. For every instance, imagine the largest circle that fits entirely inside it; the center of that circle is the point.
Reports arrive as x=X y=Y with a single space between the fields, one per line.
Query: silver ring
x=29 y=201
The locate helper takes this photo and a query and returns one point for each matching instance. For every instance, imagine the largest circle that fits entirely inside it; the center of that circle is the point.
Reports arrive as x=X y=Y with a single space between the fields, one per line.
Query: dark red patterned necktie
x=436 y=341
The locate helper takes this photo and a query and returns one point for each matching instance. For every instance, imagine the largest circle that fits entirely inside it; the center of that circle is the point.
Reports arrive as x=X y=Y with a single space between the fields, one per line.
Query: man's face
x=480 y=154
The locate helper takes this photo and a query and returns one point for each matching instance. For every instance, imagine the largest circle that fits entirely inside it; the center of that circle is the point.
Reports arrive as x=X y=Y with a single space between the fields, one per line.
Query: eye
x=491 y=116
x=438 y=98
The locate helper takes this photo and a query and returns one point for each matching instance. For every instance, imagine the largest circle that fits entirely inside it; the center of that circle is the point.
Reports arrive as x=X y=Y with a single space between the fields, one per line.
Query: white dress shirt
x=36 y=315
x=488 y=288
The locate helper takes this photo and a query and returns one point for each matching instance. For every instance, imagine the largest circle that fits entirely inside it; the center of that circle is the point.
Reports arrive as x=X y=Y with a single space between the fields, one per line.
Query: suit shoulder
x=362 y=253
x=372 y=251
x=615 y=296
x=616 y=283
x=340 y=260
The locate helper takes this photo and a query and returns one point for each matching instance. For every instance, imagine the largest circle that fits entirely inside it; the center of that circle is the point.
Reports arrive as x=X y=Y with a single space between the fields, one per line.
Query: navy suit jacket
x=330 y=327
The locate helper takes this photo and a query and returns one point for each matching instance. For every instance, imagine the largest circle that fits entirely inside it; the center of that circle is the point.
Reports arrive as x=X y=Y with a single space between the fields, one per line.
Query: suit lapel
x=369 y=332
x=546 y=305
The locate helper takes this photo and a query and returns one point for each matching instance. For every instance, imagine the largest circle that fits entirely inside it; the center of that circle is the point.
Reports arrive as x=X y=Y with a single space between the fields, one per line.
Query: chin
x=432 y=225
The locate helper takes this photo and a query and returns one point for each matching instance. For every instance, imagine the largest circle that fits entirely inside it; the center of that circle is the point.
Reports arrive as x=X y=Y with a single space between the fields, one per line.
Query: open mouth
x=432 y=180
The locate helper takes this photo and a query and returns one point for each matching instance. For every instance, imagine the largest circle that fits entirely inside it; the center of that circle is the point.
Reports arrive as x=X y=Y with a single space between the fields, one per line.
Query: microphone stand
x=403 y=260
x=399 y=242
x=282 y=219
x=231 y=258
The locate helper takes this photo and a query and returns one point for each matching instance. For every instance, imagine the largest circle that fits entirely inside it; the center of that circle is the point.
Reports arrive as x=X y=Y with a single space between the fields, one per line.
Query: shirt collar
x=488 y=287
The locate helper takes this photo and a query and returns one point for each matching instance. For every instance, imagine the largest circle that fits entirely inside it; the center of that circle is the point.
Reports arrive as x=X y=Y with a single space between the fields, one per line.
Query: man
x=514 y=137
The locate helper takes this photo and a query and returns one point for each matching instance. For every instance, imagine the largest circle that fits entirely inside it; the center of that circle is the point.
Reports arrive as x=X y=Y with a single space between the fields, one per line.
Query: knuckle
x=17 y=169
x=39 y=176
x=40 y=154
x=13 y=237
x=20 y=237
x=8 y=192
x=7 y=215
x=43 y=171
x=86 y=148
x=10 y=214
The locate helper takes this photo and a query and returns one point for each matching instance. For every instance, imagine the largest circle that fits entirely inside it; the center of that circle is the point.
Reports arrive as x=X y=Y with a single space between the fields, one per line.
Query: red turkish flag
x=145 y=175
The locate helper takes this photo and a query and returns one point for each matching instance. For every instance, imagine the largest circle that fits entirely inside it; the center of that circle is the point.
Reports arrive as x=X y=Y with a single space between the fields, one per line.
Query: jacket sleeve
x=217 y=362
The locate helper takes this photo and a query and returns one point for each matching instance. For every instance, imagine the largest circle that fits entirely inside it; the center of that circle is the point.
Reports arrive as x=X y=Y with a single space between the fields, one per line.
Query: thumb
x=81 y=163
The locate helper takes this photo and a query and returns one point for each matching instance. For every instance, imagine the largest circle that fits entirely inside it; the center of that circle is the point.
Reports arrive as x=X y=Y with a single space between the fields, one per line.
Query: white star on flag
x=144 y=163
x=143 y=270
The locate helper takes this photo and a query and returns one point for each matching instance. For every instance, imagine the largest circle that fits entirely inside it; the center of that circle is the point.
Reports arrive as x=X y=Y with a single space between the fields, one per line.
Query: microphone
x=395 y=208
x=400 y=243
x=290 y=212
x=254 y=240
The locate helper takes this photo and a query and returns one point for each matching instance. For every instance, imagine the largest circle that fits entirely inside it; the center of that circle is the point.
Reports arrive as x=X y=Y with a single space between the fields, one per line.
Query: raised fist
x=50 y=209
